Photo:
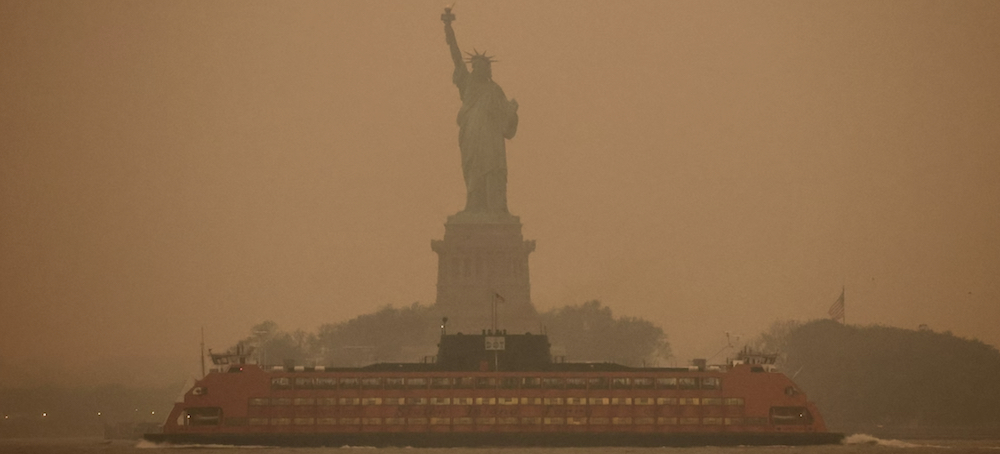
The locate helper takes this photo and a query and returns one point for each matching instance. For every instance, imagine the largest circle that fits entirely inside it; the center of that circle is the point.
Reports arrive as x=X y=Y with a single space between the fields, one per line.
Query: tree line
x=866 y=378
x=585 y=332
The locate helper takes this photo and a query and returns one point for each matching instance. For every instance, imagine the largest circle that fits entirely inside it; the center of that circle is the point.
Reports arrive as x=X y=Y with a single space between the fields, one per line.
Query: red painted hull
x=742 y=405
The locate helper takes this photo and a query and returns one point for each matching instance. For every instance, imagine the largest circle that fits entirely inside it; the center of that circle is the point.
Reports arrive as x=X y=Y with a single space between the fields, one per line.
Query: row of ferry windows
x=507 y=421
x=261 y=401
x=494 y=382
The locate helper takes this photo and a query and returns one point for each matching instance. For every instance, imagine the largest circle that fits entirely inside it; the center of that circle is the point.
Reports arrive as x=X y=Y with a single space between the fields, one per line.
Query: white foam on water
x=865 y=439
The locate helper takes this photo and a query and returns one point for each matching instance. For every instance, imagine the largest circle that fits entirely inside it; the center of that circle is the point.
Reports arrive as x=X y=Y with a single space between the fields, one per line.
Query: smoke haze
x=710 y=166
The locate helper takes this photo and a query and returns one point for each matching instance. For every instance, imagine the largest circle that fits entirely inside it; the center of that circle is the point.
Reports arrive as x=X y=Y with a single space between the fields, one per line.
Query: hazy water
x=854 y=444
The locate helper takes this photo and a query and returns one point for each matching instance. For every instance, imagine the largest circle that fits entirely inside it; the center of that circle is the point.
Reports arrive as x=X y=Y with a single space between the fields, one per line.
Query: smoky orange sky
x=710 y=166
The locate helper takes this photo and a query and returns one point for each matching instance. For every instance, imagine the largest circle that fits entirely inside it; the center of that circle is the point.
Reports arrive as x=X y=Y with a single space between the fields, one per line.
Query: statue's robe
x=486 y=119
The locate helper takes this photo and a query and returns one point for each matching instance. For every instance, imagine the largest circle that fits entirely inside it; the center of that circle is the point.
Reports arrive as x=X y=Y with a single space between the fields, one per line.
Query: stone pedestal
x=480 y=256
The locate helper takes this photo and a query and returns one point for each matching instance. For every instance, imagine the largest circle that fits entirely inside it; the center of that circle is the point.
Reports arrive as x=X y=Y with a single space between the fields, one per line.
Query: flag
x=837 y=310
x=499 y=298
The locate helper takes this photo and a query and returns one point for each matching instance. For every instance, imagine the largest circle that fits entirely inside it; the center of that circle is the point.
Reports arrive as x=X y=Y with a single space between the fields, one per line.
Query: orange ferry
x=495 y=389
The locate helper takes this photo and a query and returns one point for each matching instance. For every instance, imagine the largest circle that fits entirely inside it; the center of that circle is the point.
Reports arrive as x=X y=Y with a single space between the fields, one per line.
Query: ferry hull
x=448 y=440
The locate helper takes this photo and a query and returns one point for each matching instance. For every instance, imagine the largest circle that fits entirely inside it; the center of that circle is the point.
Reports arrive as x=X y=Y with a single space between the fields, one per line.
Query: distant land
x=889 y=381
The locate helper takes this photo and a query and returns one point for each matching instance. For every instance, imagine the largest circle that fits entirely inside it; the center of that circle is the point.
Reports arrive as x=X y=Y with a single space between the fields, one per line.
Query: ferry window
x=642 y=383
x=281 y=401
x=790 y=416
x=395 y=421
x=327 y=401
x=259 y=401
x=507 y=400
x=371 y=383
x=621 y=401
x=576 y=401
x=258 y=421
x=598 y=400
x=393 y=401
x=371 y=421
x=531 y=382
x=416 y=421
x=599 y=421
x=416 y=401
x=710 y=383
x=553 y=383
x=416 y=383
x=687 y=383
x=621 y=420
x=350 y=401
x=326 y=421
x=394 y=383
x=688 y=401
x=597 y=383
x=506 y=420
x=533 y=420
x=305 y=401
x=441 y=382
x=509 y=382
x=371 y=401
x=203 y=416
x=349 y=383
x=486 y=382
x=576 y=383
x=734 y=401
x=465 y=383
x=755 y=421
x=666 y=421
x=281 y=383
x=531 y=401
x=462 y=400
x=555 y=420
x=486 y=421
x=711 y=401
x=350 y=421
x=690 y=421
x=576 y=421
x=644 y=400
x=666 y=383
x=486 y=401
x=713 y=421
x=644 y=420
x=303 y=382
x=552 y=401
x=734 y=421
x=620 y=383
x=304 y=421
x=325 y=383
x=666 y=401
x=440 y=401
x=281 y=421
x=461 y=421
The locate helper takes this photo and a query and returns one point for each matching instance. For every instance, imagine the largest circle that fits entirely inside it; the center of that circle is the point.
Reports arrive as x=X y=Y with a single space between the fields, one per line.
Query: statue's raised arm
x=449 y=36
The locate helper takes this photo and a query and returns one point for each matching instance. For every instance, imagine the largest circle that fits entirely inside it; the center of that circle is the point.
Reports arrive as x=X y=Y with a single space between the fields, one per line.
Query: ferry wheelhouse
x=495 y=389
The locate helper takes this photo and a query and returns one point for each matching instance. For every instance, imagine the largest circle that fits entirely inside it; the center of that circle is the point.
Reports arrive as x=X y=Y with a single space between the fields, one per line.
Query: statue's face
x=481 y=67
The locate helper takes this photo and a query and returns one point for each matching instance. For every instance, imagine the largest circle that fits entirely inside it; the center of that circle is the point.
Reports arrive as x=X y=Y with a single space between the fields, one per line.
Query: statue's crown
x=479 y=56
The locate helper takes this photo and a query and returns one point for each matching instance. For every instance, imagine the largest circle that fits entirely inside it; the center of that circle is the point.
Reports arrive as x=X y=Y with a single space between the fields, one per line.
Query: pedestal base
x=483 y=256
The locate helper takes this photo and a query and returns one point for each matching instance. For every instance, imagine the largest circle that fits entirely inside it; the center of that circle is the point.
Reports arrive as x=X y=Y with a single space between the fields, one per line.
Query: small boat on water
x=495 y=389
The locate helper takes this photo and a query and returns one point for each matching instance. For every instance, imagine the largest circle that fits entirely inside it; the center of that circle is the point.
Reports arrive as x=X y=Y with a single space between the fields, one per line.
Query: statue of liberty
x=485 y=120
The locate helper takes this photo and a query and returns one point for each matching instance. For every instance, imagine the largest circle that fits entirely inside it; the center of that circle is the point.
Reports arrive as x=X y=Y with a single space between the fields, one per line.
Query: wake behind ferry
x=495 y=389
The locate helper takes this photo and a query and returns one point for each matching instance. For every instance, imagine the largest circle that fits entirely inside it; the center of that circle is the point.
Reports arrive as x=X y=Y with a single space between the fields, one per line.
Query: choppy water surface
x=853 y=444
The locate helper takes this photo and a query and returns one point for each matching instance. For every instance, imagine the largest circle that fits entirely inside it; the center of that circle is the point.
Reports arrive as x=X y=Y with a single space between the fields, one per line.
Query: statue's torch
x=447 y=17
